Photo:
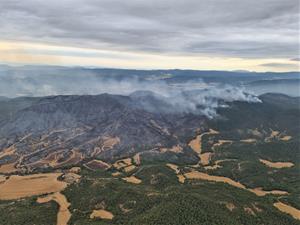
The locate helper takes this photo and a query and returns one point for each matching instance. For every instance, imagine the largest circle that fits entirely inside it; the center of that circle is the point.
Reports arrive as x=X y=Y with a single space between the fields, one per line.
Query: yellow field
x=181 y=178
x=102 y=214
x=205 y=158
x=2 y=178
x=257 y=191
x=115 y=174
x=132 y=179
x=176 y=149
x=195 y=144
x=286 y=138
x=8 y=168
x=24 y=186
x=129 y=168
x=122 y=163
x=277 y=165
x=63 y=215
x=288 y=209
x=173 y=167
x=221 y=142
x=217 y=164
x=260 y=192
x=204 y=176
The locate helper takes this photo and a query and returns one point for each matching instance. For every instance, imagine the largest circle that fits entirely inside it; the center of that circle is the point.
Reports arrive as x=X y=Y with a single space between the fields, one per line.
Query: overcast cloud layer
x=226 y=28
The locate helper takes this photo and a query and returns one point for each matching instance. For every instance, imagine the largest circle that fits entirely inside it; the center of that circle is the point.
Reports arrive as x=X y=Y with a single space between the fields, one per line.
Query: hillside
x=116 y=160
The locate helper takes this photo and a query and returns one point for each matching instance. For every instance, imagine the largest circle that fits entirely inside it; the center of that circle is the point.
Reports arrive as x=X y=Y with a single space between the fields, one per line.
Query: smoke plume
x=157 y=94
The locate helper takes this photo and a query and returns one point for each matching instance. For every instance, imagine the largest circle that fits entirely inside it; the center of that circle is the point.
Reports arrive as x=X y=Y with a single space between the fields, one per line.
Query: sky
x=158 y=34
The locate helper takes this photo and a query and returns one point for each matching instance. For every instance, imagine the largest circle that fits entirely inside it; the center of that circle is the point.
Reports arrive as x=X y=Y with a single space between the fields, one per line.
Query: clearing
x=132 y=180
x=102 y=214
x=25 y=186
x=277 y=165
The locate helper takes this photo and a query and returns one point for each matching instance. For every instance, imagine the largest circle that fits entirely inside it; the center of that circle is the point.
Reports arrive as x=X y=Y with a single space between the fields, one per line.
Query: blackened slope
x=84 y=122
x=62 y=112
x=8 y=107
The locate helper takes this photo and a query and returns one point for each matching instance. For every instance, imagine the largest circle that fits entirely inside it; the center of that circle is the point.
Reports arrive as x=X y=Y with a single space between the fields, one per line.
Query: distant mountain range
x=52 y=80
x=169 y=75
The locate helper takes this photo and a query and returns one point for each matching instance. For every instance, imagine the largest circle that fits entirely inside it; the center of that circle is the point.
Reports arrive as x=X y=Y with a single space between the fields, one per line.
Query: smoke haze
x=196 y=96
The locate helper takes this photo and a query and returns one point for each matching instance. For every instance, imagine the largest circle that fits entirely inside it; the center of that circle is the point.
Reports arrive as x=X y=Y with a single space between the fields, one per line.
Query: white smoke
x=182 y=97
x=196 y=101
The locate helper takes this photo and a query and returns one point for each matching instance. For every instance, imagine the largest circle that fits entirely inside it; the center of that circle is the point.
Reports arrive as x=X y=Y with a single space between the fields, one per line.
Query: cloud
x=295 y=59
x=291 y=66
x=228 y=28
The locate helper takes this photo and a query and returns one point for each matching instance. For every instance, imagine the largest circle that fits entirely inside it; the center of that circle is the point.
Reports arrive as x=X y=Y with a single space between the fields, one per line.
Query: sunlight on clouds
x=36 y=53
